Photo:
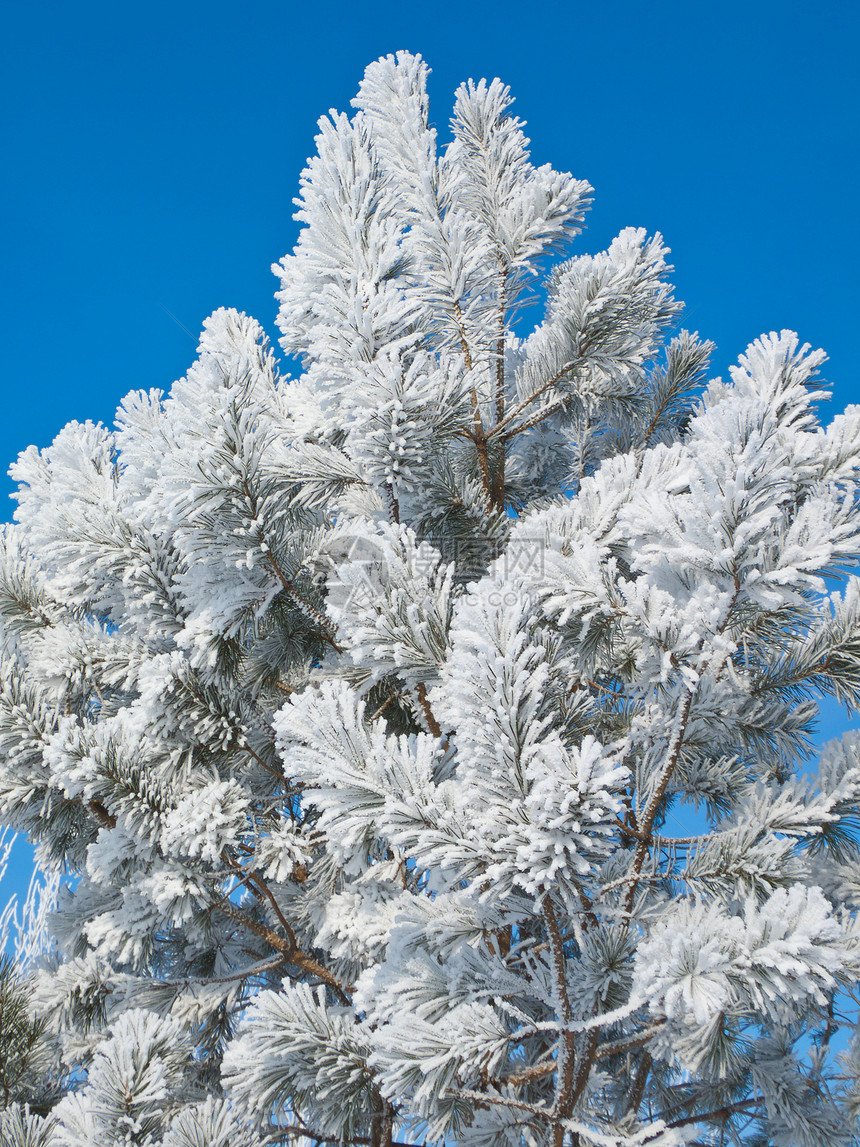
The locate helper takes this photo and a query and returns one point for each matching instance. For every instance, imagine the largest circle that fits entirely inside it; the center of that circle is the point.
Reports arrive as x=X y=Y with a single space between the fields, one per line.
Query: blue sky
x=153 y=151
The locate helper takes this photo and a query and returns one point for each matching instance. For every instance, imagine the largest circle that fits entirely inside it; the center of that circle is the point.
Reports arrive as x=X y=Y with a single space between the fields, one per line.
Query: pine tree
x=430 y=736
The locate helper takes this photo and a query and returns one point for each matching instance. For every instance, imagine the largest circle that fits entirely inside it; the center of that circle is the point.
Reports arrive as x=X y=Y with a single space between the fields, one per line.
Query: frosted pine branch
x=422 y=747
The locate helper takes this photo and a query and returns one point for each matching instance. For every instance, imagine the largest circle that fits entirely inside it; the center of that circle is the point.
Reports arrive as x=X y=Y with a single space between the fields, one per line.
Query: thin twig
x=526 y=402
x=673 y=753
x=719 y=1113
x=254 y=970
x=503 y=1101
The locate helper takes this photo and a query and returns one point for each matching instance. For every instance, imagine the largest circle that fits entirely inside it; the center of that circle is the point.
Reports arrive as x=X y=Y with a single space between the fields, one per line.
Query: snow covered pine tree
x=357 y=704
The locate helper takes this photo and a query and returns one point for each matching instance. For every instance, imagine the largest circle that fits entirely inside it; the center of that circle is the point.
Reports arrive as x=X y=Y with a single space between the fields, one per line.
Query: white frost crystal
x=367 y=711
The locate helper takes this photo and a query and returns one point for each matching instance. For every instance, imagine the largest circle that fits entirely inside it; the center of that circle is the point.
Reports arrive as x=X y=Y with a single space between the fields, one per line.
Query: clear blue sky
x=152 y=152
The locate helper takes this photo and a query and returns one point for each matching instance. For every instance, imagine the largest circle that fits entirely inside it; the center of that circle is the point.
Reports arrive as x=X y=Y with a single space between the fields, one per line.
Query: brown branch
x=588 y=907
x=393 y=504
x=382 y=1123
x=655 y=418
x=586 y=1062
x=256 y=884
x=256 y=756
x=292 y=954
x=106 y=819
x=479 y=437
x=526 y=403
x=435 y=727
x=391 y=697
x=287 y=947
x=628 y=830
x=637 y=1091
x=563 y=1105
